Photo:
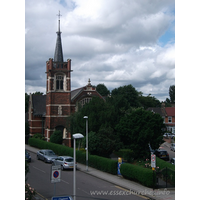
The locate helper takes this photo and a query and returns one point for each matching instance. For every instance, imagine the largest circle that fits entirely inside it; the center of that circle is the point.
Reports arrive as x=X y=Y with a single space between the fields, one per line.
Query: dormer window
x=59 y=82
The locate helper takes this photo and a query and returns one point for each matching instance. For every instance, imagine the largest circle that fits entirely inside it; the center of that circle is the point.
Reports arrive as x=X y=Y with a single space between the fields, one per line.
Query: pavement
x=131 y=186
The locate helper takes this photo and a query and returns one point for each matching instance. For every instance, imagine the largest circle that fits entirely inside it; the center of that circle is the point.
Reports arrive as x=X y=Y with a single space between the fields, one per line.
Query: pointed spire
x=58 y=55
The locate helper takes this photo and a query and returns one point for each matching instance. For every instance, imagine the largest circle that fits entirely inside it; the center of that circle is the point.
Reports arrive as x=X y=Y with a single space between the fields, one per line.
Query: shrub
x=126 y=154
x=56 y=137
x=167 y=169
x=137 y=173
x=38 y=135
x=162 y=164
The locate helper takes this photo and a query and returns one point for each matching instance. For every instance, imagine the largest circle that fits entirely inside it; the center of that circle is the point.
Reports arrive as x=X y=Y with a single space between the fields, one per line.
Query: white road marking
x=39 y=169
x=64 y=181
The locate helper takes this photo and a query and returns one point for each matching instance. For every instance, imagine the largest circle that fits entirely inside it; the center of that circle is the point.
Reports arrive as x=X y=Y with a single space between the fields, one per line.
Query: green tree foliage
x=26 y=102
x=148 y=101
x=101 y=143
x=129 y=93
x=139 y=128
x=102 y=89
x=56 y=137
x=172 y=93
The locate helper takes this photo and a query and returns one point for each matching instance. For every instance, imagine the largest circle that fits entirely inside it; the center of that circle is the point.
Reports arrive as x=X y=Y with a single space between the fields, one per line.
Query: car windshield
x=163 y=152
x=69 y=159
x=49 y=153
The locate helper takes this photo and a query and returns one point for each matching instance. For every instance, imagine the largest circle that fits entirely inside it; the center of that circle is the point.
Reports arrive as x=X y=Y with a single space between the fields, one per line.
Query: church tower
x=58 y=92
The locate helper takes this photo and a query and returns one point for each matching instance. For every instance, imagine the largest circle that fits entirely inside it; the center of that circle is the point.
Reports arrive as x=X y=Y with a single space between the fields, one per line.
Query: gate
x=165 y=178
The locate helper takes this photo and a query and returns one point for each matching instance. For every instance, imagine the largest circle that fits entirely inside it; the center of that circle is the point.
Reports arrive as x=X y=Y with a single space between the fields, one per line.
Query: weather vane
x=59 y=21
x=59 y=15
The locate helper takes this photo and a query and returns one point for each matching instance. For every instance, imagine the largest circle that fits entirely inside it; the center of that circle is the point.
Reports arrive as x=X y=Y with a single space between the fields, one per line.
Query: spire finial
x=59 y=21
x=89 y=82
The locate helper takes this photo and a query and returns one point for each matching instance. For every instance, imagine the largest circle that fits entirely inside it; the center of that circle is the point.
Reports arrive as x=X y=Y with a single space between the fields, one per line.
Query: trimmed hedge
x=162 y=164
x=138 y=174
x=101 y=163
x=170 y=170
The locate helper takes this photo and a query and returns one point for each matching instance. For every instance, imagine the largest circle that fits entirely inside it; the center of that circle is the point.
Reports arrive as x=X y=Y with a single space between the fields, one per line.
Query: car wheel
x=62 y=168
x=45 y=160
x=38 y=157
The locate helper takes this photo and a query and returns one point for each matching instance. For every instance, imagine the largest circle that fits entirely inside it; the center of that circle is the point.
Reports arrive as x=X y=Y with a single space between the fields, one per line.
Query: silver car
x=66 y=162
x=46 y=155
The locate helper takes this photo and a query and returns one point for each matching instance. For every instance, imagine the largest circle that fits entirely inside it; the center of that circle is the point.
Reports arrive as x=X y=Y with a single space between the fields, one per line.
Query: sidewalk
x=130 y=186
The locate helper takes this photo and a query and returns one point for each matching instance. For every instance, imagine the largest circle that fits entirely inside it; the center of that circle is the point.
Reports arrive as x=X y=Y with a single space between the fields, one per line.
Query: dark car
x=46 y=155
x=162 y=154
x=172 y=161
x=27 y=156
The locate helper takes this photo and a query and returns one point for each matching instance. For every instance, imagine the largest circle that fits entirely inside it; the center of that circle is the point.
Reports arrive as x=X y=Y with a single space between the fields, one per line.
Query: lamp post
x=86 y=117
x=75 y=136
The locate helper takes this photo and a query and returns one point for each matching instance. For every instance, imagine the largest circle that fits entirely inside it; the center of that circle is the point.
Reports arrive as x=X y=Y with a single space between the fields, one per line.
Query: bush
x=167 y=169
x=126 y=154
x=56 y=137
x=162 y=164
x=103 y=164
x=137 y=173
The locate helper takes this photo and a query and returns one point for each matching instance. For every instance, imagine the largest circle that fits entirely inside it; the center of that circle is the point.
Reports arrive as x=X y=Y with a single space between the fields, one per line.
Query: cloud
x=112 y=42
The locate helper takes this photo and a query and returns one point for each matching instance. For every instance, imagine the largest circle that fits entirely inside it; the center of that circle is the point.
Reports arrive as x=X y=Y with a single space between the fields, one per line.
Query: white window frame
x=169 y=120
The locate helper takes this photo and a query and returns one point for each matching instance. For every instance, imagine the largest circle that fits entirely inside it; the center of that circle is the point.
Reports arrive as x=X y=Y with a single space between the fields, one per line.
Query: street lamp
x=86 y=117
x=75 y=136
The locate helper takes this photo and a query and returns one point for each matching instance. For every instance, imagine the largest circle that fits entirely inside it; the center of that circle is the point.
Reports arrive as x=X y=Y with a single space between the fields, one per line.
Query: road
x=171 y=153
x=88 y=187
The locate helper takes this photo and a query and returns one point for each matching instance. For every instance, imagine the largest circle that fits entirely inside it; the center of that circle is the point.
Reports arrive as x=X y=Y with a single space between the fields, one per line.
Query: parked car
x=46 y=155
x=172 y=161
x=27 y=156
x=172 y=135
x=162 y=154
x=66 y=162
x=172 y=147
x=169 y=135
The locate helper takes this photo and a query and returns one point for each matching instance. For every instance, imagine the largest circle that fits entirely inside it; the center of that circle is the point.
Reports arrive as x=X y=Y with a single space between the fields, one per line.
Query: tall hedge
x=170 y=171
x=138 y=174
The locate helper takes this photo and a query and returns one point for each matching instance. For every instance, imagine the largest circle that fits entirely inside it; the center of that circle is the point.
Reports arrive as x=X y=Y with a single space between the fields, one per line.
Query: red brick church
x=49 y=112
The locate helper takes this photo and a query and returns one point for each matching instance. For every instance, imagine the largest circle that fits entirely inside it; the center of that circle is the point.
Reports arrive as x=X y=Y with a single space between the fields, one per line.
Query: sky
x=113 y=42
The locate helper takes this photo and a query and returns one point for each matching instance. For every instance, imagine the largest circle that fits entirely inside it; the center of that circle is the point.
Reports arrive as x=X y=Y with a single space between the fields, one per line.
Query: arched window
x=59 y=82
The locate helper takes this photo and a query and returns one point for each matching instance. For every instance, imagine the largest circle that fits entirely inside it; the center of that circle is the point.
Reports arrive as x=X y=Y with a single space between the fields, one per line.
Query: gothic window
x=59 y=82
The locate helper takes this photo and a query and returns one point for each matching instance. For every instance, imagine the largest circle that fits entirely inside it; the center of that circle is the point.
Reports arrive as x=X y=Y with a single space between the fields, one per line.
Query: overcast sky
x=115 y=43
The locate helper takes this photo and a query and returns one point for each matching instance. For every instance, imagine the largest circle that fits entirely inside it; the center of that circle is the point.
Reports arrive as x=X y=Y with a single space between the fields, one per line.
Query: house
x=49 y=112
x=170 y=119
x=168 y=115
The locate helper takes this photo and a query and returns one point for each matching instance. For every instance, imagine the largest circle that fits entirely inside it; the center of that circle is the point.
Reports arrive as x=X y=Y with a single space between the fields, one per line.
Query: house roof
x=170 y=111
x=157 y=110
x=39 y=104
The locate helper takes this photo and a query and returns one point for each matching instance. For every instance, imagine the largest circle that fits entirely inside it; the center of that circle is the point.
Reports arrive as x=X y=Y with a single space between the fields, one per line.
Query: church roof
x=39 y=104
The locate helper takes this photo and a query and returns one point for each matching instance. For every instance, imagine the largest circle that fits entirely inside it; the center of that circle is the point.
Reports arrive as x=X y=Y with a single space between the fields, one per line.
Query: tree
x=26 y=132
x=102 y=89
x=101 y=143
x=56 y=137
x=172 y=93
x=129 y=93
x=26 y=102
x=148 y=101
x=139 y=128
